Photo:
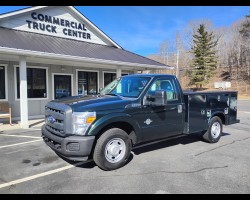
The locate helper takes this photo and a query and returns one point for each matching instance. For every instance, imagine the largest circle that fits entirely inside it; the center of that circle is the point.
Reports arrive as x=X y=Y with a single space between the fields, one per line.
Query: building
x=48 y=52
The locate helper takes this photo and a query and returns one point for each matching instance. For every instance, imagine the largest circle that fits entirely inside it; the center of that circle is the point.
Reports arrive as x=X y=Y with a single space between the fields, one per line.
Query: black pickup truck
x=131 y=110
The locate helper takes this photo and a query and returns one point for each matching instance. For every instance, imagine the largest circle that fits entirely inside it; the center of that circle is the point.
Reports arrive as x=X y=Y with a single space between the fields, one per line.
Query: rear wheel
x=112 y=149
x=213 y=134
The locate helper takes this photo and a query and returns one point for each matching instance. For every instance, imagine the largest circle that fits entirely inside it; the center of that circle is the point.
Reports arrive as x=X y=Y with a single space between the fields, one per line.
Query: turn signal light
x=89 y=120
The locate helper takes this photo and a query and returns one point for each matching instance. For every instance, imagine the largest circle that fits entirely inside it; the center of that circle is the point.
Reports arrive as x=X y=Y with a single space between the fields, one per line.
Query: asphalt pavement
x=184 y=165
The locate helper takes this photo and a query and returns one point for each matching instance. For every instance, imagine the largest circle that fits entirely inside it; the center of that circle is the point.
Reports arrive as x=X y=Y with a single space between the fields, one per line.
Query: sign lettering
x=52 y=24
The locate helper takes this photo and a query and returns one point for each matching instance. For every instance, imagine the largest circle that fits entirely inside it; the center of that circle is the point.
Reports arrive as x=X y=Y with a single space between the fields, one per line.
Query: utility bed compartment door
x=233 y=109
x=195 y=113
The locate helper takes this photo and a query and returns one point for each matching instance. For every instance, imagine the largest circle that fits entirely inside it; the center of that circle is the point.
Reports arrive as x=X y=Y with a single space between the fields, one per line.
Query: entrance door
x=62 y=86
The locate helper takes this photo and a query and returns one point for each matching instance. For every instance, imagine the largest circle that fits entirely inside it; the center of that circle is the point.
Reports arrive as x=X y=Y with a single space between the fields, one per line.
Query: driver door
x=163 y=121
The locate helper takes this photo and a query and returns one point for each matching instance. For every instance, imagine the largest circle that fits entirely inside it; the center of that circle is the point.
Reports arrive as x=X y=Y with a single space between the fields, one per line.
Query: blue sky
x=141 y=29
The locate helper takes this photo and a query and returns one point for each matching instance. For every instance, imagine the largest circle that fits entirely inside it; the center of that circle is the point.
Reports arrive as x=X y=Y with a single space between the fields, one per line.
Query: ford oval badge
x=51 y=119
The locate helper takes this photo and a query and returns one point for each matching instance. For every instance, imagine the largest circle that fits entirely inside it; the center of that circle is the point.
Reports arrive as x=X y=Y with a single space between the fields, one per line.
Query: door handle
x=179 y=109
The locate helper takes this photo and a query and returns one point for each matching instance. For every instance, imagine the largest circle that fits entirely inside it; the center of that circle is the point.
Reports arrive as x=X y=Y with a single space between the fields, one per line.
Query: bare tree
x=164 y=51
x=232 y=51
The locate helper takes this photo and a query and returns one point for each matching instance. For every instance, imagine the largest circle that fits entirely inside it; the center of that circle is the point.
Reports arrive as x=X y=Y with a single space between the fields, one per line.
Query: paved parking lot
x=183 y=165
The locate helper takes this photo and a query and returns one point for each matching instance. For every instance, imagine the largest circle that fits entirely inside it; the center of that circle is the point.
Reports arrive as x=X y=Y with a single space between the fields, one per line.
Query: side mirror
x=159 y=98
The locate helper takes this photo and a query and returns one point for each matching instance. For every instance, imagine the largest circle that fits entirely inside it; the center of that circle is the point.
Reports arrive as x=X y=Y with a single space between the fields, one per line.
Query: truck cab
x=131 y=110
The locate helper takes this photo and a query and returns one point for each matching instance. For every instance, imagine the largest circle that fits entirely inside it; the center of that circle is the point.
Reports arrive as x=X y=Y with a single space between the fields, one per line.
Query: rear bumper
x=76 y=148
x=237 y=121
x=229 y=122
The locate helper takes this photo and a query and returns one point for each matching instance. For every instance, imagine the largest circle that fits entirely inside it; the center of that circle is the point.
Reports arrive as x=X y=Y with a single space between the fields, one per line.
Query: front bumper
x=76 y=148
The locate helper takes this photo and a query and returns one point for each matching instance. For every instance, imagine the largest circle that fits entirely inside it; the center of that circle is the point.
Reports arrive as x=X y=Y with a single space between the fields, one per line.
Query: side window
x=2 y=82
x=167 y=85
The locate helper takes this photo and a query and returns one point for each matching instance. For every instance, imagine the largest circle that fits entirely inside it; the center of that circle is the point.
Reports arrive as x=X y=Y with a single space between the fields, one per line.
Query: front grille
x=58 y=118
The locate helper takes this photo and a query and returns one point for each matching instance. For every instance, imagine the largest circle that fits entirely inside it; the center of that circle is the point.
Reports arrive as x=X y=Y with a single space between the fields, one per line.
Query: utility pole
x=177 y=64
x=177 y=40
x=167 y=57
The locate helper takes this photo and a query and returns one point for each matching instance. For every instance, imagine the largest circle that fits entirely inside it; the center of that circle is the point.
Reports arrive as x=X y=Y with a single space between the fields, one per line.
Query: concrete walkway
x=33 y=124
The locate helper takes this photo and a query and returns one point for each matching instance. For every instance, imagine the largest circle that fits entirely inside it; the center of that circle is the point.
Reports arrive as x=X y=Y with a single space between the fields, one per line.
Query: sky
x=141 y=29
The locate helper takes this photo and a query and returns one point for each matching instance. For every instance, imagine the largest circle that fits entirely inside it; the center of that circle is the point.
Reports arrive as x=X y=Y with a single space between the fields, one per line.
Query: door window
x=167 y=85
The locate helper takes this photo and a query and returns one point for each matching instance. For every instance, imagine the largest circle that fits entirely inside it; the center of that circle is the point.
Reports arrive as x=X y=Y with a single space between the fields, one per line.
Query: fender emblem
x=148 y=121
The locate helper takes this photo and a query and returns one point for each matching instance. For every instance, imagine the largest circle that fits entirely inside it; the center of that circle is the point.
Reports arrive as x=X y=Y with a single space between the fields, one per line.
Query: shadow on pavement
x=225 y=134
x=36 y=123
x=91 y=163
x=197 y=137
x=166 y=143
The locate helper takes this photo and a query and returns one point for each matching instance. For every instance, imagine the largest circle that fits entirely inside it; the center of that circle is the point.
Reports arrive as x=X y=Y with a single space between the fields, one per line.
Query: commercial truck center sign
x=55 y=25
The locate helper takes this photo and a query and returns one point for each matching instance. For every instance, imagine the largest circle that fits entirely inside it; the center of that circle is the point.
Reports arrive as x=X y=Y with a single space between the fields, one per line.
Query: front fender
x=112 y=118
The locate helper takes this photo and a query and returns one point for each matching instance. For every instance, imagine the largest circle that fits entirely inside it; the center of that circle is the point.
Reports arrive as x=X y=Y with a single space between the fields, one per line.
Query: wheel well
x=222 y=117
x=128 y=128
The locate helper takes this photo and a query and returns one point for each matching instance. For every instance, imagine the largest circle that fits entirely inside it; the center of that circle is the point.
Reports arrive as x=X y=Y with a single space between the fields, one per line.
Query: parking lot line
x=40 y=175
x=10 y=152
x=243 y=111
x=11 y=145
x=24 y=136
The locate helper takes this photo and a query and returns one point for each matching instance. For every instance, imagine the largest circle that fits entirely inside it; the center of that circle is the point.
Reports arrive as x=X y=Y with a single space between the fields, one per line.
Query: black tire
x=107 y=145
x=213 y=136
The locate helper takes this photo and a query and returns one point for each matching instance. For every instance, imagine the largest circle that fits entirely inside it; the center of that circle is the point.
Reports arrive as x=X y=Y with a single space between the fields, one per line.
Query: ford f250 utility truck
x=131 y=110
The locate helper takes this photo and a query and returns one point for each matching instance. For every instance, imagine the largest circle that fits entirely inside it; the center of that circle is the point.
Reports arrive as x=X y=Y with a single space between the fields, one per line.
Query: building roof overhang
x=21 y=43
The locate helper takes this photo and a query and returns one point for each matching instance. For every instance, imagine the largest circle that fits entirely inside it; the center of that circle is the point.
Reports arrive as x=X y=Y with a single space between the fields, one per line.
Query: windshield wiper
x=112 y=94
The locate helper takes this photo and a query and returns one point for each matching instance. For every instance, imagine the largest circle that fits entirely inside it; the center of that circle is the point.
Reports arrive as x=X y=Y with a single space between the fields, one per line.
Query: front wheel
x=112 y=149
x=214 y=132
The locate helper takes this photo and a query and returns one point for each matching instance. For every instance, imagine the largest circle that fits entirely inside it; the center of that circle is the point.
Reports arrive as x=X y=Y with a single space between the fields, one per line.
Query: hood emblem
x=51 y=119
x=148 y=121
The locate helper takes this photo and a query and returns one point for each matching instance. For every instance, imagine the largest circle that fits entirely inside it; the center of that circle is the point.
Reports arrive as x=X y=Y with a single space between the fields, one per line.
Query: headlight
x=82 y=121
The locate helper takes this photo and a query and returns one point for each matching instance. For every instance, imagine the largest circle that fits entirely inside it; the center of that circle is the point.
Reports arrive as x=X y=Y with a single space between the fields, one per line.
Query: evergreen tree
x=245 y=31
x=204 y=62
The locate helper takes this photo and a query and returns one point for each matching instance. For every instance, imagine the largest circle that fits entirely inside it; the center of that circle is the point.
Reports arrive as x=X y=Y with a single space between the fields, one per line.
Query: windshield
x=126 y=86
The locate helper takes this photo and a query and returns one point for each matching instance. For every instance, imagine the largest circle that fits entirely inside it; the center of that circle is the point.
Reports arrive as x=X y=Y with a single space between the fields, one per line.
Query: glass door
x=62 y=86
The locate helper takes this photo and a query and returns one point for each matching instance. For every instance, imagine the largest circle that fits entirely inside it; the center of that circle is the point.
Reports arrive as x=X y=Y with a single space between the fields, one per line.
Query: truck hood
x=95 y=102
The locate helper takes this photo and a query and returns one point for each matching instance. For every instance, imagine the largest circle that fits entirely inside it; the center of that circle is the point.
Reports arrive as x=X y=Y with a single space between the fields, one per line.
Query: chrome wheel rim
x=215 y=130
x=115 y=150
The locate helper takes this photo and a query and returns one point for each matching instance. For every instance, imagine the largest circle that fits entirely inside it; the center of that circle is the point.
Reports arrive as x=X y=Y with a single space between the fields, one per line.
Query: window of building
x=2 y=82
x=87 y=82
x=36 y=83
x=109 y=77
